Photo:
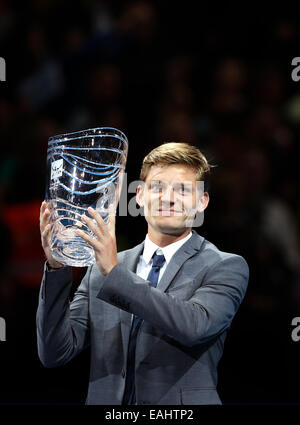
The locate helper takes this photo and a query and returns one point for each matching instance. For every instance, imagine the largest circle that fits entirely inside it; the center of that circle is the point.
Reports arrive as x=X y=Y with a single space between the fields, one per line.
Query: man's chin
x=174 y=232
x=171 y=228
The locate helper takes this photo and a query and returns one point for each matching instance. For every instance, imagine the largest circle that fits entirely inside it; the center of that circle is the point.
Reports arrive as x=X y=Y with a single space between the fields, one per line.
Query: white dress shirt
x=145 y=261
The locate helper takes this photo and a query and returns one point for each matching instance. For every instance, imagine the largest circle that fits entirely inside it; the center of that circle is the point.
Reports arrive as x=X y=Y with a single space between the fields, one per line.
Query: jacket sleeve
x=207 y=313
x=62 y=326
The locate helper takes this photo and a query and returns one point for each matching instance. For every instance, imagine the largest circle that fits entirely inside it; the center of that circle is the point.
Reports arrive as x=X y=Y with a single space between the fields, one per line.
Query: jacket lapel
x=190 y=248
x=131 y=257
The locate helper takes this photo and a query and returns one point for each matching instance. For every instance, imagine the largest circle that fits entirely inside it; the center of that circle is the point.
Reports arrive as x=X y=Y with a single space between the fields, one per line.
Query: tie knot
x=158 y=260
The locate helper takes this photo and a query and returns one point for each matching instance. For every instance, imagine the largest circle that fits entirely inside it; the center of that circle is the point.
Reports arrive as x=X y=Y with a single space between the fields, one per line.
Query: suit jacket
x=180 y=341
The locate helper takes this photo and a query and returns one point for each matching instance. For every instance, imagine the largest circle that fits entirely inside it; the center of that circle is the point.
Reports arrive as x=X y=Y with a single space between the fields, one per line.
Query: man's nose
x=168 y=195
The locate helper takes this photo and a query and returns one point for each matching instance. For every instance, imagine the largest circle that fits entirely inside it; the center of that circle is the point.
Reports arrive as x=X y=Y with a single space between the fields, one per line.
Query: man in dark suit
x=155 y=316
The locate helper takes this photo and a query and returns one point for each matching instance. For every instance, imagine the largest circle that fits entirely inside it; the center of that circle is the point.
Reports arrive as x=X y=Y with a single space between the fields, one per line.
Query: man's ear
x=140 y=195
x=203 y=202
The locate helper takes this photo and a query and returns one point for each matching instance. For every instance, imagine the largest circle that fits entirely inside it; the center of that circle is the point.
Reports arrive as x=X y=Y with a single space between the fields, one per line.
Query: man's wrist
x=51 y=268
x=109 y=269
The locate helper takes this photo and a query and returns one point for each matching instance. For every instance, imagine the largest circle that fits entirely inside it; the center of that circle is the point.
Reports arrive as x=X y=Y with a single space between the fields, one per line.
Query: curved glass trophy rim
x=72 y=150
x=119 y=134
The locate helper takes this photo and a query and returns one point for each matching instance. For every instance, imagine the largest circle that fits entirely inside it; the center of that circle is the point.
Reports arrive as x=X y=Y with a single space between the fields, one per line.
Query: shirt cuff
x=53 y=269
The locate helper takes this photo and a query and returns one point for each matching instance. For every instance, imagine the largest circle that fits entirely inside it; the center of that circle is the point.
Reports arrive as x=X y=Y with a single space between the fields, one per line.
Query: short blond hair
x=177 y=153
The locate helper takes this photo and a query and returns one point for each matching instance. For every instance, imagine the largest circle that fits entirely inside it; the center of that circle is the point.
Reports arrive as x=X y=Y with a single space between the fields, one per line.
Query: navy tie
x=129 y=394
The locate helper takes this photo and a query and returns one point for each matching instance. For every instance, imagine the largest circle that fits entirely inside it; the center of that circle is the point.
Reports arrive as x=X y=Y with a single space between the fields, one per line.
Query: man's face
x=171 y=196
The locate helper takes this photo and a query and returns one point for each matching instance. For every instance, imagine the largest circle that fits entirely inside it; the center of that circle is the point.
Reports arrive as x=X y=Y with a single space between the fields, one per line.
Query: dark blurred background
x=216 y=76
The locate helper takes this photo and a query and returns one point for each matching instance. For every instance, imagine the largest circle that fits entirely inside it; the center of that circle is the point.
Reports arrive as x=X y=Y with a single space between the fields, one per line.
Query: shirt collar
x=168 y=251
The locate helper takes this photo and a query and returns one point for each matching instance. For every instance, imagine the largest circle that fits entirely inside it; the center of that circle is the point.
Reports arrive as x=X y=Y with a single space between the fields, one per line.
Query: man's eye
x=156 y=186
x=184 y=189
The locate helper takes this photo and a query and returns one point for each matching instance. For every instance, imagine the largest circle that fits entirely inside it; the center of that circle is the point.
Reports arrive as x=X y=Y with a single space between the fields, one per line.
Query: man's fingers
x=94 y=228
x=92 y=241
x=99 y=220
x=44 y=219
x=42 y=209
x=101 y=229
x=96 y=215
x=46 y=233
x=44 y=215
x=46 y=230
x=43 y=205
x=112 y=220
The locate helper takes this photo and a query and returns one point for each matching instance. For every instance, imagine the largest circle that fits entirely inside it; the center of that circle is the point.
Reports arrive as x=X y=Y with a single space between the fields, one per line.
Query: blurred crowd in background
x=218 y=77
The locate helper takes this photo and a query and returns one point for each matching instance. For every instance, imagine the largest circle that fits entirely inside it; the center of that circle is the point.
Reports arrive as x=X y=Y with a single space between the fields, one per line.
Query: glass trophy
x=84 y=169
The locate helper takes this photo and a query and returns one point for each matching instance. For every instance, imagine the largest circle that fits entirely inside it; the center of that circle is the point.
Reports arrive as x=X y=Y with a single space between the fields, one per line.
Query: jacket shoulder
x=214 y=256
